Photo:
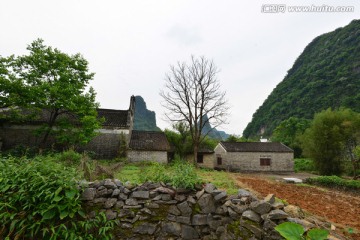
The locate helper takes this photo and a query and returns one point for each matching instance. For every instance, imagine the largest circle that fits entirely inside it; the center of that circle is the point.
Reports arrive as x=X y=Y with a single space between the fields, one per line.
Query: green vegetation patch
x=220 y=179
x=179 y=174
x=40 y=199
x=335 y=182
x=304 y=165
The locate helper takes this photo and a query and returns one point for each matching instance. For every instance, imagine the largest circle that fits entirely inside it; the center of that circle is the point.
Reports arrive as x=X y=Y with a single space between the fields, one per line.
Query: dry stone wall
x=159 y=211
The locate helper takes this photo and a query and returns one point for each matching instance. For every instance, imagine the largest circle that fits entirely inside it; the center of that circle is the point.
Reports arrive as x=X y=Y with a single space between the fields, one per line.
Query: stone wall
x=159 y=211
x=155 y=156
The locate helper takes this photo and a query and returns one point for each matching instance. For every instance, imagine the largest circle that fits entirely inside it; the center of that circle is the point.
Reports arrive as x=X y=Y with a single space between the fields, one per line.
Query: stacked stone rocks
x=159 y=211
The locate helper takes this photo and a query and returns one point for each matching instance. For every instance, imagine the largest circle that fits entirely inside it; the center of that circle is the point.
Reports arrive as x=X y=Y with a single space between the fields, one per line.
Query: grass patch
x=130 y=172
x=221 y=179
x=178 y=174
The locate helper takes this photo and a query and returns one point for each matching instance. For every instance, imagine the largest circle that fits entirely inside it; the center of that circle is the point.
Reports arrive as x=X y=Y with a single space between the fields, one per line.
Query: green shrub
x=69 y=157
x=335 y=182
x=304 y=165
x=22 y=151
x=39 y=199
x=156 y=172
x=184 y=175
x=349 y=169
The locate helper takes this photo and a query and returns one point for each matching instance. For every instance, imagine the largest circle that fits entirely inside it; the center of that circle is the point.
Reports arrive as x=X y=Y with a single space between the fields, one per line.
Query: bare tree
x=192 y=95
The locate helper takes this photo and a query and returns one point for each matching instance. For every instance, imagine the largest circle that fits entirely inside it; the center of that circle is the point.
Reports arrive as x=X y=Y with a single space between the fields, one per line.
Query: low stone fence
x=158 y=211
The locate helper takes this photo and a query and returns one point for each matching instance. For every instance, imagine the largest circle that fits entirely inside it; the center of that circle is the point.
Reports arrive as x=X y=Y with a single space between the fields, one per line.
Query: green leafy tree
x=330 y=138
x=289 y=131
x=180 y=139
x=232 y=138
x=55 y=84
x=182 y=142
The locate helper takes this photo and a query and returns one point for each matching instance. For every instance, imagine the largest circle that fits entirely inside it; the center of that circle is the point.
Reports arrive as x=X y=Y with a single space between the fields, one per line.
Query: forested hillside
x=326 y=74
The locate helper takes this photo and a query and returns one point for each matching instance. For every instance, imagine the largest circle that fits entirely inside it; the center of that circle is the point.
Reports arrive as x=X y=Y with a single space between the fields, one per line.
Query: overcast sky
x=130 y=45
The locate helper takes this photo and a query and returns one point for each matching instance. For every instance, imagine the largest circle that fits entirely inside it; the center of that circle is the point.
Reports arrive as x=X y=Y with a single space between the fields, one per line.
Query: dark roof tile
x=149 y=141
x=114 y=118
x=255 y=147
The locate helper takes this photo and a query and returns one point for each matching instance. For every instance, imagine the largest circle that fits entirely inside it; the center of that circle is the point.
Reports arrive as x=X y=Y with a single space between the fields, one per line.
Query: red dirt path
x=340 y=208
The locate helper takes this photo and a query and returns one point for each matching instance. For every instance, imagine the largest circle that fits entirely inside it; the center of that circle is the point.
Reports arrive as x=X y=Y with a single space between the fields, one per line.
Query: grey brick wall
x=250 y=161
x=12 y=137
x=105 y=145
x=208 y=160
x=156 y=156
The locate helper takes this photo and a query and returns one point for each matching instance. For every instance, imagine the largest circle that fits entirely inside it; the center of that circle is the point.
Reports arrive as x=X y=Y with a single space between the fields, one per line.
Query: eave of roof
x=256 y=147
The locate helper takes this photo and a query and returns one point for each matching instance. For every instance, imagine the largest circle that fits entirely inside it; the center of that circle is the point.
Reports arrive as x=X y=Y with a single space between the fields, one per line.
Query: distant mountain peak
x=144 y=120
x=213 y=132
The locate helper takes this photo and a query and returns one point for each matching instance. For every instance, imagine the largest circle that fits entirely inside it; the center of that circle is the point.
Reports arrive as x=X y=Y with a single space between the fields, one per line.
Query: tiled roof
x=205 y=150
x=114 y=118
x=255 y=147
x=149 y=141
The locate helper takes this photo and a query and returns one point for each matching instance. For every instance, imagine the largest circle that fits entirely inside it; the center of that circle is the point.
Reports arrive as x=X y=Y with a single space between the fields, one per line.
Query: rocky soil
x=340 y=208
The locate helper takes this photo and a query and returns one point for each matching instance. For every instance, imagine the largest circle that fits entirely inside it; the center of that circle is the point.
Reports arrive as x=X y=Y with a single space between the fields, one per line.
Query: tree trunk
x=355 y=164
x=196 y=149
x=51 y=124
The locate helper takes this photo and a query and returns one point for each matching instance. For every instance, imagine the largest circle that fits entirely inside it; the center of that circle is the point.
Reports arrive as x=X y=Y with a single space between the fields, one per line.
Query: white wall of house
x=156 y=156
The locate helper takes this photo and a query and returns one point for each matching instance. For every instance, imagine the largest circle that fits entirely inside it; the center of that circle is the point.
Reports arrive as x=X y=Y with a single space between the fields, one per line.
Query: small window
x=219 y=161
x=265 y=161
x=200 y=158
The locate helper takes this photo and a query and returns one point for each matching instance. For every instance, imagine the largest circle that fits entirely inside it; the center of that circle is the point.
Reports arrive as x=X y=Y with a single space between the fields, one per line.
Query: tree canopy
x=180 y=139
x=333 y=138
x=289 y=132
x=54 y=82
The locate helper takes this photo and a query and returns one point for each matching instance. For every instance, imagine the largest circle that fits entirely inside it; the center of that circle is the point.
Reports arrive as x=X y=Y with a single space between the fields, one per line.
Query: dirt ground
x=340 y=208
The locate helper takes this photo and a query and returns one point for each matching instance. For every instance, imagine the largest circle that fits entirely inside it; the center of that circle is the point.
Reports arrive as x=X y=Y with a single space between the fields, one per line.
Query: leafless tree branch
x=192 y=92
